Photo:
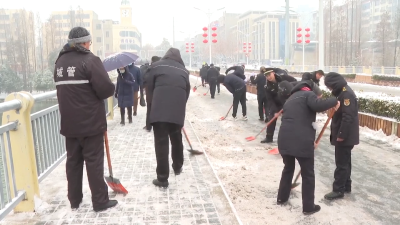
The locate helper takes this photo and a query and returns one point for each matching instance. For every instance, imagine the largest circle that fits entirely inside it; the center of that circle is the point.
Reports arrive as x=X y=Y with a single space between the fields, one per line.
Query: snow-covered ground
x=251 y=176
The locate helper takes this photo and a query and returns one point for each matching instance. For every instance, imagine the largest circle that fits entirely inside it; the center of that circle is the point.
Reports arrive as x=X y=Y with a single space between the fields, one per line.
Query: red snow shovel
x=252 y=138
x=112 y=182
x=224 y=117
x=206 y=92
x=295 y=184
x=191 y=150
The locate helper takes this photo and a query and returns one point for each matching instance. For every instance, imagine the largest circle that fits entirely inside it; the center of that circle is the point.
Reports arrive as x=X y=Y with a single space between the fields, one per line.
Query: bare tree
x=80 y=17
x=39 y=28
x=383 y=35
x=396 y=34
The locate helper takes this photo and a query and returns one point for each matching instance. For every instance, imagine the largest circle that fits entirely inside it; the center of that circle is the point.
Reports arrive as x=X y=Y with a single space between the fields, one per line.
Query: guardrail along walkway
x=190 y=199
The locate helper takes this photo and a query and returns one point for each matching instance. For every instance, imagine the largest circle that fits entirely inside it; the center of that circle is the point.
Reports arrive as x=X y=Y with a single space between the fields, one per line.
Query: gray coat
x=168 y=89
x=297 y=134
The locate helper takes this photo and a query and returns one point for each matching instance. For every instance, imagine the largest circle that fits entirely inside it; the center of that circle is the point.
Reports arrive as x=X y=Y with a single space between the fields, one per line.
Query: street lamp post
x=248 y=45
x=209 y=13
x=259 y=44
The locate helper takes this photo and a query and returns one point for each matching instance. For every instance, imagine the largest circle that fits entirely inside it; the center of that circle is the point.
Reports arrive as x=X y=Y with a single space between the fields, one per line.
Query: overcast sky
x=154 y=17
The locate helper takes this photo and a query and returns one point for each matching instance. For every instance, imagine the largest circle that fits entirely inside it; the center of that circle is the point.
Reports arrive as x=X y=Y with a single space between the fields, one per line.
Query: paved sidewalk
x=194 y=197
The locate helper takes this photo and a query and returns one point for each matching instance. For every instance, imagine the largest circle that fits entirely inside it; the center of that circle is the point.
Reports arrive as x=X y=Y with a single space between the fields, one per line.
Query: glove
x=116 y=95
x=226 y=72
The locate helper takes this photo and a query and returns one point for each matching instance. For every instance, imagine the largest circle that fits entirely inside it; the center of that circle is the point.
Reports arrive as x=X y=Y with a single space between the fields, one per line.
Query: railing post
x=110 y=105
x=23 y=151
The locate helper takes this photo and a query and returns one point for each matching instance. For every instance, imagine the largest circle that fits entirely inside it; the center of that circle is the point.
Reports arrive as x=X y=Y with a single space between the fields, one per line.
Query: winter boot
x=134 y=113
x=268 y=139
x=334 y=195
x=75 y=206
x=109 y=204
x=347 y=190
x=317 y=208
x=178 y=172
x=245 y=118
x=130 y=119
x=261 y=119
x=234 y=118
x=160 y=183
x=122 y=121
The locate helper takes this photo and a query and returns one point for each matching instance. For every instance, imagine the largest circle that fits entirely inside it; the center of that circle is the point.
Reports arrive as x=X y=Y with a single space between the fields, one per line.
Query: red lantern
x=187 y=50
x=214 y=35
x=192 y=43
x=214 y=28
x=192 y=46
x=205 y=35
x=307 y=29
x=307 y=41
x=187 y=43
x=307 y=35
x=249 y=44
x=192 y=50
x=298 y=35
x=299 y=41
x=205 y=28
x=299 y=29
x=214 y=41
x=205 y=41
x=244 y=43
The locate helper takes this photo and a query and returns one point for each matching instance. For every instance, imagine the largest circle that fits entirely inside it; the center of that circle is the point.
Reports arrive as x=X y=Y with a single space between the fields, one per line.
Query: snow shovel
x=252 y=138
x=295 y=184
x=112 y=182
x=191 y=150
x=206 y=92
x=224 y=117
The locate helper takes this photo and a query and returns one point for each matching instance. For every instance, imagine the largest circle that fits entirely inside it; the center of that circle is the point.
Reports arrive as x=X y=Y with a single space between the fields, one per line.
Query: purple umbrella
x=119 y=60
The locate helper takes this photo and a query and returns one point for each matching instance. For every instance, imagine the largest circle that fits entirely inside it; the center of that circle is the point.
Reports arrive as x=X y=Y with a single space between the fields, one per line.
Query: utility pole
x=287 y=43
x=321 y=35
x=173 y=32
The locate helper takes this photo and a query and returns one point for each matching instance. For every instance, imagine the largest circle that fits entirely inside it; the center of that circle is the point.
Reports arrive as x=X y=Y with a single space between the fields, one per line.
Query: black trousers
x=271 y=127
x=262 y=105
x=307 y=184
x=203 y=80
x=163 y=133
x=343 y=168
x=91 y=151
x=148 y=125
x=213 y=85
x=239 y=96
x=218 y=87
x=123 y=112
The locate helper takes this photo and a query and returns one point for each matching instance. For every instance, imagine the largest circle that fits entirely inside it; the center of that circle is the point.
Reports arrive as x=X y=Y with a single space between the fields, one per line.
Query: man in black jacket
x=260 y=82
x=274 y=100
x=82 y=86
x=344 y=133
x=296 y=141
x=212 y=75
x=238 y=71
x=203 y=74
x=168 y=88
x=237 y=87
x=148 y=100
x=314 y=76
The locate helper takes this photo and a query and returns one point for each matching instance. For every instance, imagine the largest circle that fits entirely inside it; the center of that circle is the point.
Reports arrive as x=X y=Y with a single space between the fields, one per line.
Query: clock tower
x=126 y=13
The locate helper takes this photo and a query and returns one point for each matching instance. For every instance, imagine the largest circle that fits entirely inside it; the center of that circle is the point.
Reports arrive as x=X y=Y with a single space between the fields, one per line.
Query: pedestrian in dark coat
x=237 y=87
x=238 y=71
x=137 y=86
x=314 y=76
x=148 y=100
x=203 y=74
x=218 y=84
x=296 y=141
x=274 y=100
x=212 y=75
x=82 y=86
x=124 y=93
x=344 y=133
x=260 y=81
x=169 y=89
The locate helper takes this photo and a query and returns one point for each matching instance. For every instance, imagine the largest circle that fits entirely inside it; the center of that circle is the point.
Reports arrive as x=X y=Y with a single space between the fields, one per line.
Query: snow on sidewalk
x=194 y=197
x=251 y=176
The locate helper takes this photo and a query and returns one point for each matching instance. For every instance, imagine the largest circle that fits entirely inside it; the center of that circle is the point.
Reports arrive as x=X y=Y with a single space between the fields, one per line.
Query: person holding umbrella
x=124 y=93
